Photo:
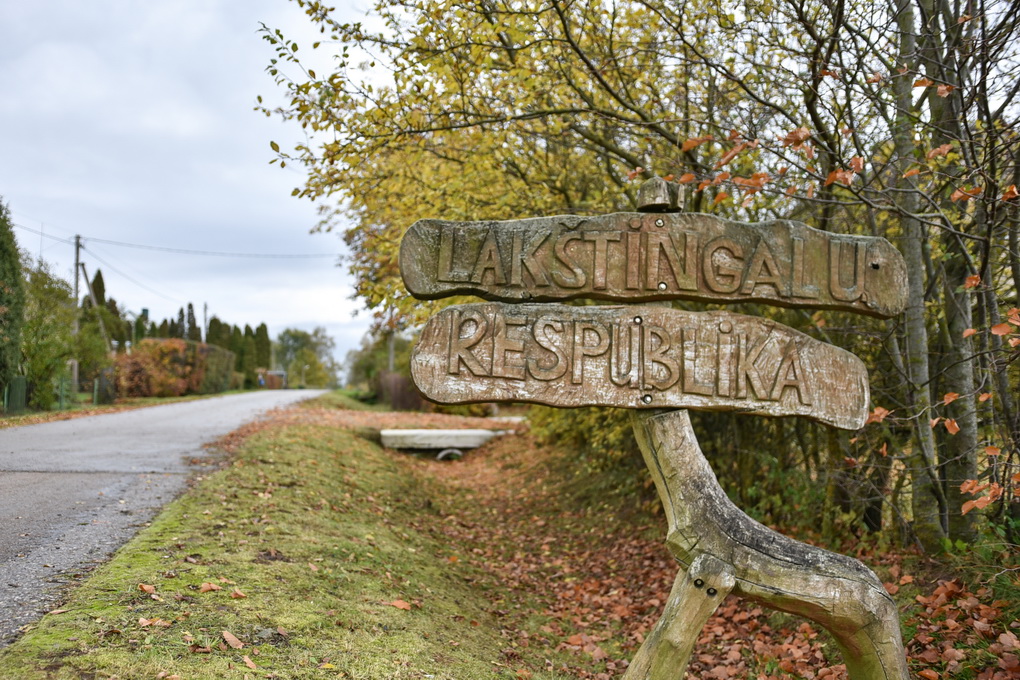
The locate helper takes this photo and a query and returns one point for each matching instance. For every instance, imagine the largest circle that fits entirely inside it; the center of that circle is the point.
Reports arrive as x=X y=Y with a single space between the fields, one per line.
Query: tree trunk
x=927 y=500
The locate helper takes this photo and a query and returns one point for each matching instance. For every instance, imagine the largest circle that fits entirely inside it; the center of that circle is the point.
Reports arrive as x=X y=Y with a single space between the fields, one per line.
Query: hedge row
x=171 y=367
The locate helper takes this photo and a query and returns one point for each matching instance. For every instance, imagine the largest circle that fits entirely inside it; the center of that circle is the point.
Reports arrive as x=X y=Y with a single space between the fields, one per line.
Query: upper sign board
x=639 y=257
x=636 y=357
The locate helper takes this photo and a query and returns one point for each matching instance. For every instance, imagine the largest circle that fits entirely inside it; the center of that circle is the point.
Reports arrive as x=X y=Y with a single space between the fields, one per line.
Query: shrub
x=172 y=367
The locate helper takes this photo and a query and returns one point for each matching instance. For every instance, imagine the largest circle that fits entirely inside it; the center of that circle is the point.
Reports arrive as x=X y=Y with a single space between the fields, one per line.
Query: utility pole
x=74 y=328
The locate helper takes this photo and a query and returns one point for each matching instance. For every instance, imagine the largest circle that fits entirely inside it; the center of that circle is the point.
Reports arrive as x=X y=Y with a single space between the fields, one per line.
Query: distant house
x=273 y=380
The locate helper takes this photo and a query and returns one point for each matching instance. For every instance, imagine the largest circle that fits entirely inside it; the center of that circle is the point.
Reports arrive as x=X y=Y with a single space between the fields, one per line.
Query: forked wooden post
x=715 y=540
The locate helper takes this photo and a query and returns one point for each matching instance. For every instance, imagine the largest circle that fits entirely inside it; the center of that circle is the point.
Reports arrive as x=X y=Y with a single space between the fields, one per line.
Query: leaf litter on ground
x=489 y=569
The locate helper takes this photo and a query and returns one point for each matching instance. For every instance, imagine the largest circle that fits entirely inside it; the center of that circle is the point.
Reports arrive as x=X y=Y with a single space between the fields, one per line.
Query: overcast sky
x=133 y=122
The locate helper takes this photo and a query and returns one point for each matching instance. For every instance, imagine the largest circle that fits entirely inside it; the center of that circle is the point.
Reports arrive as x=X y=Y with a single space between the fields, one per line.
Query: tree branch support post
x=724 y=550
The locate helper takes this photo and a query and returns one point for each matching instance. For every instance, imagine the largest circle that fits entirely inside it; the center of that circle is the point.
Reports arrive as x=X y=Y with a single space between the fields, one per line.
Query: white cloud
x=134 y=122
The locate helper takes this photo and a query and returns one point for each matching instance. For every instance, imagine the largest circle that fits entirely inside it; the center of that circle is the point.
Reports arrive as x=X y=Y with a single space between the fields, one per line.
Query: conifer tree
x=237 y=347
x=12 y=299
x=214 y=334
x=263 y=347
x=194 y=330
x=164 y=329
x=181 y=327
x=99 y=288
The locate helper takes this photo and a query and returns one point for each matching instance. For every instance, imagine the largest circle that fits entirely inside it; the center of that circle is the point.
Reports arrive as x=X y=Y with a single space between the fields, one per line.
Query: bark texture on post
x=696 y=594
x=708 y=533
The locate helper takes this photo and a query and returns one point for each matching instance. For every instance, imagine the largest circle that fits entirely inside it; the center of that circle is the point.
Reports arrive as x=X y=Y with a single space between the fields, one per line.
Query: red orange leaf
x=923 y=82
x=1010 y=193
x=796 y=138
x=1001 y=329
x=857 y=163
x=969 y=332
x=730 y=155
x=951 y=425
x=248 y=662
x=686 y=177
x=720 y=197
x=992 y=451
x=950 y=397
x=911 y=172
x=400 y=604
x=146 y=588
x=877 y=415
x=939 y=151
x=231 y=640
x=984 y=396
x=965 y=195
x=695 y=142
x=206 y=587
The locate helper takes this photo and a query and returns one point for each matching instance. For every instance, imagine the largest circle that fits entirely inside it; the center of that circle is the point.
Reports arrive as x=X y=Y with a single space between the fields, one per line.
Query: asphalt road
x=73 y=491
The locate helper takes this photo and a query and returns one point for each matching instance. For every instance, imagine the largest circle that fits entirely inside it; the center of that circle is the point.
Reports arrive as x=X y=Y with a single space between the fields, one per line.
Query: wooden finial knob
x=658 y=195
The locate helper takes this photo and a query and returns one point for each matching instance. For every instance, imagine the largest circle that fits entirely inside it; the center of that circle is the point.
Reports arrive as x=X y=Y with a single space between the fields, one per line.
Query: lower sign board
x=636 y=357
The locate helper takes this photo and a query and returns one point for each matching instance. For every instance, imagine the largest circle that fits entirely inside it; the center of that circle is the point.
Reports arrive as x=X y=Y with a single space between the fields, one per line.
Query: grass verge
x=316 y=554
x=306 y=557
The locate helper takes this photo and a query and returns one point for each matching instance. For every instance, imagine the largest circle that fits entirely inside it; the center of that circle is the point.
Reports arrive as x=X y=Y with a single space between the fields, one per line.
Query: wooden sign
x=636 y=357
x=635 y=257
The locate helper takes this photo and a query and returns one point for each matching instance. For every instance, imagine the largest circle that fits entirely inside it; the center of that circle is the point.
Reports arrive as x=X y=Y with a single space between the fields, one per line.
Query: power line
x=137 y=283
x=214 y=253
x=69 y=241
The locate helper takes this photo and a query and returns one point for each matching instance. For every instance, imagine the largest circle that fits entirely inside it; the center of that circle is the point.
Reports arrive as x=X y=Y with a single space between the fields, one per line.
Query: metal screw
x=662 y=285
x=647 y=399
x=711 y=592
x=725 y=327
x=659 y=223
x=698 y=583
x=637 y=320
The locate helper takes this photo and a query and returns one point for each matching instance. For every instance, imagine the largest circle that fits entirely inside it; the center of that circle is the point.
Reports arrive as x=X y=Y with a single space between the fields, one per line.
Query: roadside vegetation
x=314 y=553
x=124 y=355
x=892 y=119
